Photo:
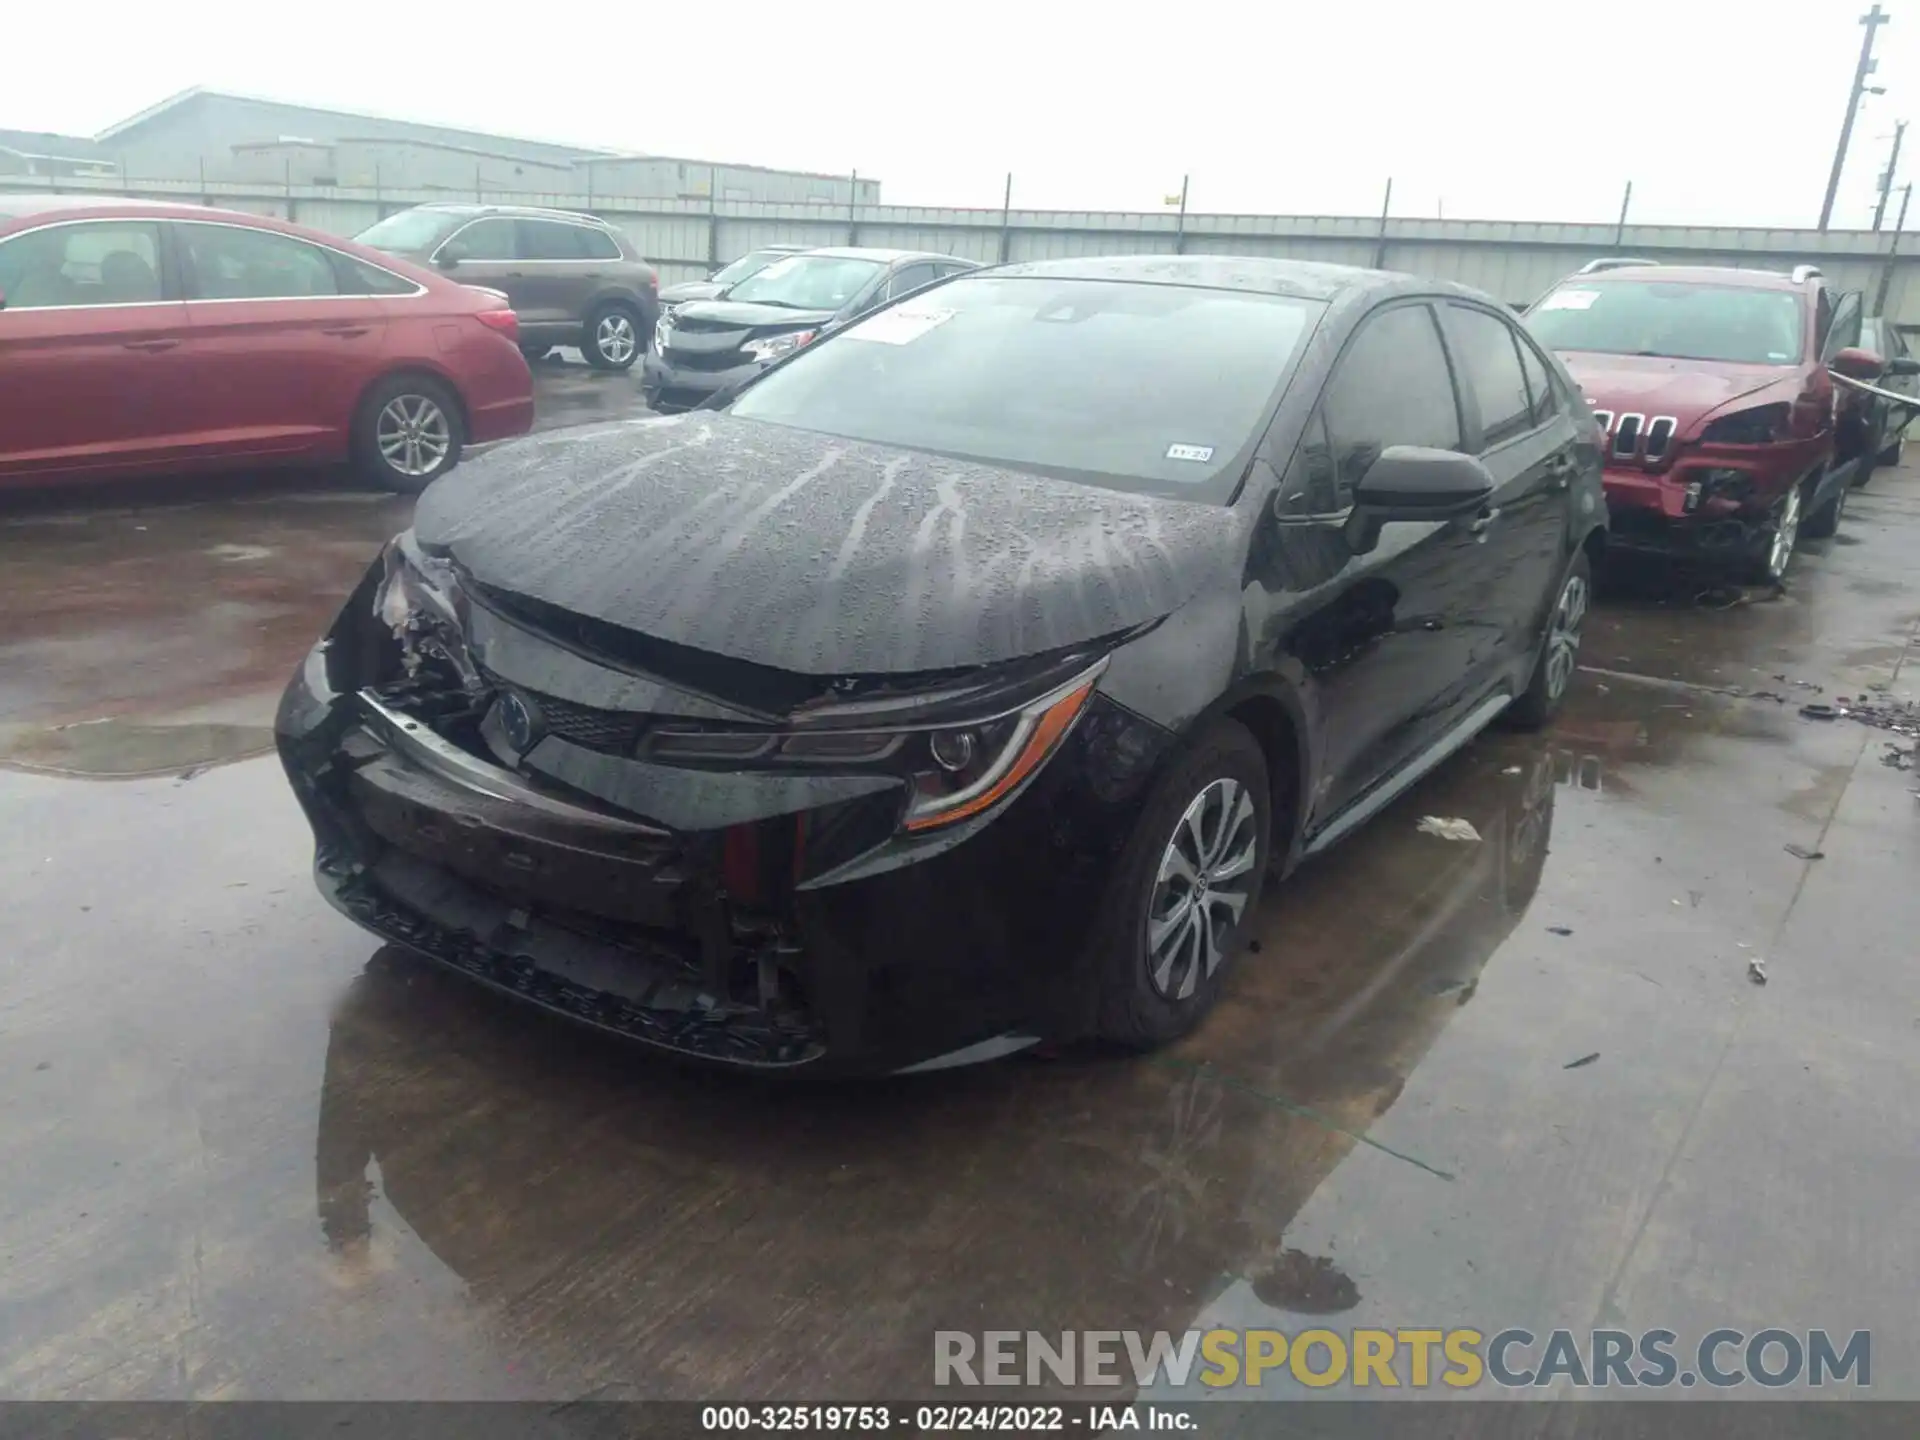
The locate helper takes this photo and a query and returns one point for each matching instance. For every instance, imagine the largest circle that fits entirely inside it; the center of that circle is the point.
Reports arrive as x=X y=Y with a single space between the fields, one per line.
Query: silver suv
x=572 y=279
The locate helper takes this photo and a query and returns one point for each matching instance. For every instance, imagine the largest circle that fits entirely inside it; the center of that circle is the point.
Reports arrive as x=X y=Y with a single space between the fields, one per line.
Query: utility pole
x=1893 y=249
x=1873 y=20
x=1886 y=180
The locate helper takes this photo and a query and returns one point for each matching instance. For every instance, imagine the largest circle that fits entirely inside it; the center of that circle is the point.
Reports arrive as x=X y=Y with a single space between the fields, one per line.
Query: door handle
x=1482 y=522
x=151 y=346
x=345 y=332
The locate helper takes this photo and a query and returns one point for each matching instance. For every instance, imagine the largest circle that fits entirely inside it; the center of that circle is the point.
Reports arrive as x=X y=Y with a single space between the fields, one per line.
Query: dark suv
x=1726 y=436
x=571 y=278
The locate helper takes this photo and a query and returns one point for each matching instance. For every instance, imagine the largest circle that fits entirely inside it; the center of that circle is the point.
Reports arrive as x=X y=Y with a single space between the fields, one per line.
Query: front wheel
x=1823 y=523
x=1184 y=891
x=1553 y=671
x=612 y=341
x=408 y=433
x=1779 y=536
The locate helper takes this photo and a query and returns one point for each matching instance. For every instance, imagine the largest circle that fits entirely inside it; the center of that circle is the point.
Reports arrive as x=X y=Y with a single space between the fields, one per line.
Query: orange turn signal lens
x=1041 y=730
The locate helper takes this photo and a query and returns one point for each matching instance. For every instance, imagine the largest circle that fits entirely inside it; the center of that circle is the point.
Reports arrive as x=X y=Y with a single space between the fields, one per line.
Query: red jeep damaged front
x=1699 y=453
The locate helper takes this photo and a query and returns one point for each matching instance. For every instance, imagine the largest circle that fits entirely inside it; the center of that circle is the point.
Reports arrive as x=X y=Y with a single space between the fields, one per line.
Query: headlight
x=1761 y=425
x=661 y=329
x=954 y=771
x=774 y=346
x=963 y=770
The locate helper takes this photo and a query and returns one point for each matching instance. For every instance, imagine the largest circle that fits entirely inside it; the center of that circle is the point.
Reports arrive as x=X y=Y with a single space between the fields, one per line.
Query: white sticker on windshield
x=1570 y=300
x=898 y=326
x=1202 y=453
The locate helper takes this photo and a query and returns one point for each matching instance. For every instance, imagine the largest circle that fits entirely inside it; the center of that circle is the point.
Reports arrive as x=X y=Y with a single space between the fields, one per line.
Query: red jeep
x=1725 y=435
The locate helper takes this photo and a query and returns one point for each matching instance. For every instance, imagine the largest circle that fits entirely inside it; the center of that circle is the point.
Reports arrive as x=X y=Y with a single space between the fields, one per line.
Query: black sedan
x=962 y=680
x=705 y=347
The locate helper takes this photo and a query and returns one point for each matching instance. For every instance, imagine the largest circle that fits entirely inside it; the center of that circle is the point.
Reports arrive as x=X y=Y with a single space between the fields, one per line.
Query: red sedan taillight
x=504 y=321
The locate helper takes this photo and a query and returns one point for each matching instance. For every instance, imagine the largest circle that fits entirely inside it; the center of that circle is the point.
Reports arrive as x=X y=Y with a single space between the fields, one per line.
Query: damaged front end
x=1712 y=494
x=737 y=864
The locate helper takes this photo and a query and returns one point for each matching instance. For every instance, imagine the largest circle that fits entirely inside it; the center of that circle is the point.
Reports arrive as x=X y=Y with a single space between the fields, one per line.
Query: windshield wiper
x=777 y=304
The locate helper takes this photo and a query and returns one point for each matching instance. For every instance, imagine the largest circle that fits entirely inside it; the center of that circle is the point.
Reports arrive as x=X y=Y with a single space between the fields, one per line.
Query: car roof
x=539 y=212
x=884 y=257
x=1731 y=276
x=1304 y=279
x=24 y=207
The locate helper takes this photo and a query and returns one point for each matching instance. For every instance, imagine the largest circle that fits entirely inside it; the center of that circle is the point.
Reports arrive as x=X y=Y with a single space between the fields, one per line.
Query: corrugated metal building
x=205 y=136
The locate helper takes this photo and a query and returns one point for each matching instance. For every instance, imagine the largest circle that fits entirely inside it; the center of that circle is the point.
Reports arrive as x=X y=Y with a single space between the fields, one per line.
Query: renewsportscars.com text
x=1456 y=1359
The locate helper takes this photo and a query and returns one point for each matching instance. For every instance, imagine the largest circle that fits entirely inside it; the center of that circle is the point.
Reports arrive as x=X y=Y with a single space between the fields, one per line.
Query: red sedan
x=140 y=339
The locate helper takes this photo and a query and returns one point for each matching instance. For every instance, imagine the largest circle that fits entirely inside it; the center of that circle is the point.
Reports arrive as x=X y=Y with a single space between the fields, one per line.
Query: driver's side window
x=1391 y=386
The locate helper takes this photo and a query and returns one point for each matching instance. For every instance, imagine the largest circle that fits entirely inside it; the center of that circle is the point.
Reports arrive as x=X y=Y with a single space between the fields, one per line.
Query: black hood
x=817 y=555
x=688 y=290
x=745 y=315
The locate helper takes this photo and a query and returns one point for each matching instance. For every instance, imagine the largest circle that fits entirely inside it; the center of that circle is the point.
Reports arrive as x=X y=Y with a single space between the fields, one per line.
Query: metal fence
x=1513 y=260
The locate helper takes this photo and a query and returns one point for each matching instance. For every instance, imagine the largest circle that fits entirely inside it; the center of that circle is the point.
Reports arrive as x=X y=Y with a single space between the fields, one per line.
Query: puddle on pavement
x=122 y=749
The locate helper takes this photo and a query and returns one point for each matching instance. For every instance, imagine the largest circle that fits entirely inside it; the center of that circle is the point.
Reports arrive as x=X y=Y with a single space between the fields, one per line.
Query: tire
x=536 y=353
x=1768 y=565
x=1823 y=523
x=1889 y=456
x=1147 y=997
x=611 y=338
x=401 y=407
x=1559 y=654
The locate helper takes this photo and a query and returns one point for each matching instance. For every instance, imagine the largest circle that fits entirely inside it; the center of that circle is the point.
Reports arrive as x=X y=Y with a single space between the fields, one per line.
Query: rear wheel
x=408 y=433
x=612 y=339
x=1889 y=455
x=1552 y=675
x=536 y=353
x=1185 y=890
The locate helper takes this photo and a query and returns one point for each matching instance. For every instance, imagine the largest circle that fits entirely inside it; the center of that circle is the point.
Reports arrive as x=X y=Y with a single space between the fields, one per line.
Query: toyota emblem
x=519 y=720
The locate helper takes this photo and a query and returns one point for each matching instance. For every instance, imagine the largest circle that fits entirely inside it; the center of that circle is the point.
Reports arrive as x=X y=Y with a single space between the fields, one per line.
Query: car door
x=1527 y=442
x=1898 y=416
x=1383 y=636
x=92 y=349
x=1852 y=410
x=280 y=353
x=555 y=274
x=485 y=252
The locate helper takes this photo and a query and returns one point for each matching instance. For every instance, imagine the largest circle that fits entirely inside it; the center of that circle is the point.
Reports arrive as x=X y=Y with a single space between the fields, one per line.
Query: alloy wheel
x=614 y=338
x=1205 y=878
x=413 y=435
x=1563 y=636
x=1786 y=532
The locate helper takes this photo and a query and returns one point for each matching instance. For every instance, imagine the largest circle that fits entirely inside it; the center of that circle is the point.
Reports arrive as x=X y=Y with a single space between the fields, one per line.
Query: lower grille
x=611 y=732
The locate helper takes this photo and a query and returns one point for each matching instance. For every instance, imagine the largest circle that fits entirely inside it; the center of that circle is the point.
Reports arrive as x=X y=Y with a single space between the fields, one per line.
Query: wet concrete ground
x=250 y=1154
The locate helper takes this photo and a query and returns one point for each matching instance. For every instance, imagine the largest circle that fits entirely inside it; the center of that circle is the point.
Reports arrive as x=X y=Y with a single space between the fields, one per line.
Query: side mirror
x=1858 y=363
x=1900 y=365
x=1412 y=482
x=449 y=255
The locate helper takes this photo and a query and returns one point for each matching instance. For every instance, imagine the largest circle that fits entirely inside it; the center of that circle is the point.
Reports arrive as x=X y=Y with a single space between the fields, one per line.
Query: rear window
x=1678 y=319
x=1159 y=388
x=410 y=230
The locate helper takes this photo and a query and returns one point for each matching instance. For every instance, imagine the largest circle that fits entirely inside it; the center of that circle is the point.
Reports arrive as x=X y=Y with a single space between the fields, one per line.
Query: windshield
x=749 y=264
x=1680 y=319
x=1137 y=387
x=410 y=230
x=807 y=282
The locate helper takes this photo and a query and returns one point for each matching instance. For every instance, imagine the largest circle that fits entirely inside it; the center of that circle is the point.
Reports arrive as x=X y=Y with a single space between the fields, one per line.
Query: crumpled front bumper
x=616 y=920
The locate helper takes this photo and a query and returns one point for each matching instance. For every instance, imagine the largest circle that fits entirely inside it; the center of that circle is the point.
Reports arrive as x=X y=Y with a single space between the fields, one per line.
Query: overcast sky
x=1503 y=109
